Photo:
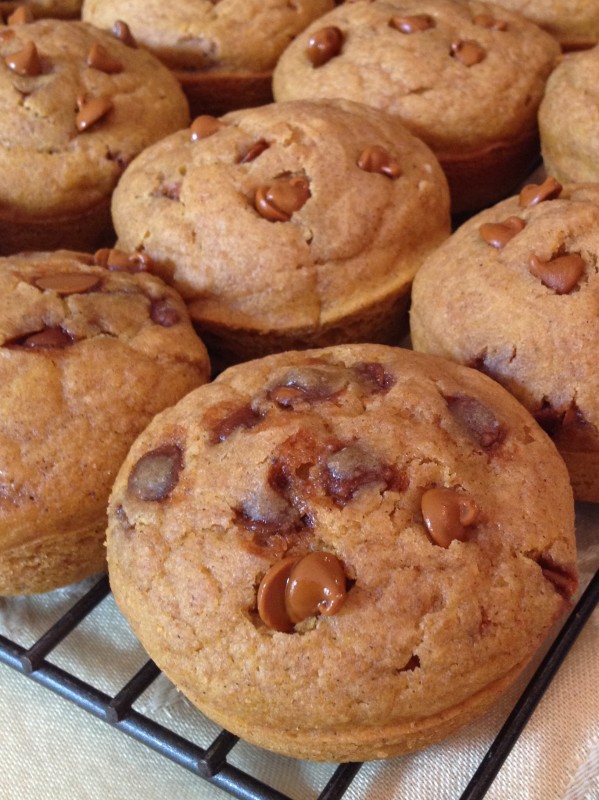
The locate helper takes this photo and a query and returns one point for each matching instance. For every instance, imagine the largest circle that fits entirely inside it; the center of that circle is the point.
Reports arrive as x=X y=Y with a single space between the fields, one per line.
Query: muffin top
x=67 y=9
x=76 y=105
x=461 y=75
x=349 y=461
x=229 y=35
x=285 y=216
x=88 y=354
x=519 y=300
x=574 y=23
x=569 y=119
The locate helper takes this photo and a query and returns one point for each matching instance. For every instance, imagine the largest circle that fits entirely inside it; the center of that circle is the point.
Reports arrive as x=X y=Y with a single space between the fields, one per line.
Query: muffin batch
x=218 y=223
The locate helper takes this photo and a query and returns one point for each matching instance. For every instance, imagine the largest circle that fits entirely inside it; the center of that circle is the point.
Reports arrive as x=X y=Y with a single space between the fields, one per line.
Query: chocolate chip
x=448 y=514
x=91 y=111
x=122 y=32
x=374 y=376
x=254 y=151
x=376 y=159
x=309 y=383
x=560 y=273
x=324 y=45
x=477 y=419
x=498 y=234
x=467 y=51
x=243 y=417
x=47 y=339
x=351 y=468
x=65 y=283
x=278 y=201
x=205 y=126
x=534 y=193
x=163 y=313
x=20 y=16
x=99 y=58
x=488 y=21
x=416 y=23
x=26 y=61
x=156 y=474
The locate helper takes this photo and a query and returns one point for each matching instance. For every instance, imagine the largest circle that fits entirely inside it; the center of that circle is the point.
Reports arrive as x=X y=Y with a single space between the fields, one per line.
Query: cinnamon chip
x=498 y=234
x=467 y=51
x=99 y=58
x=91 y=111
x=278 y=201
x=416 y=23
x=26 y=61
x=204 y=126
x=376 y=159
x=324 y=45
x=65 y=283
x=122 y=32
x=560 y=273
x=535 y=193
x=156 y=474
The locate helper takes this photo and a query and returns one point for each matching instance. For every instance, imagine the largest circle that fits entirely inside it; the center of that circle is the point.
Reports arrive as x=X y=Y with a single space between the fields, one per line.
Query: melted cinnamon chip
x=563 y=577
x=122 y=32
x=416 y=23
x=477 y=419
x=560 y=273
x=99 y=58
x=163 y=313
x=448 y=514
x=47 y=339
x=242 y=417
x=467 y=51
x=91 y=111
x=65 y=283
x=254 y=151
x=353 y=467
x=26 y=61
x=377 y=159
x=156 y=474
x=204 y=126
x=279 y=200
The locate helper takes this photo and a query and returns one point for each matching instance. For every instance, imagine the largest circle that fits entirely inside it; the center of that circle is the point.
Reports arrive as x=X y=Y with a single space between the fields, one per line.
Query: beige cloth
x=50 y=749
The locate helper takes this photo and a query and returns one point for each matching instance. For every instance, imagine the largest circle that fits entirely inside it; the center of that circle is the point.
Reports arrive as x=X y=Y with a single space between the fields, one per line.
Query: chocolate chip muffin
x=574 y=23
x=222 y=52
x=466 y=77
x=346 y=553
x=514 y=292
x=290 y=225
x=569 y=119
x=78 y=104
x=91 y=349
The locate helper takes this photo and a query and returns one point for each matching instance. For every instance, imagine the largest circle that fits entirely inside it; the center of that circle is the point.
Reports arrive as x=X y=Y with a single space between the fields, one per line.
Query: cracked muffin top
x=343 y=553
x=285 y=219
x=518 y=300
x=90 y=349
x=77 y=104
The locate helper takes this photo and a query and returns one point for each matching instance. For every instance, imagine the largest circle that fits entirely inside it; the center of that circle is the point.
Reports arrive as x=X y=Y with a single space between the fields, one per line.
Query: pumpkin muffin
x=89 y=353
x=466 y=77
x=343 y=554
x=77 y=106
x=222 y=52
x=63 y=9
x=514 y=292
x=289 y=225
x=569 y=119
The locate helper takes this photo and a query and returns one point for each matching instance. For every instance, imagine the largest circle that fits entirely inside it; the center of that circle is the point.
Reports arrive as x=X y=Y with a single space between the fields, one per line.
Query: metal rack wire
x=211 y=763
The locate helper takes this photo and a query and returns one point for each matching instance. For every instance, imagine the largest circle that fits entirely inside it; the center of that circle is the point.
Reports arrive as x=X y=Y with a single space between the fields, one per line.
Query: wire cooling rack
x=211 y=763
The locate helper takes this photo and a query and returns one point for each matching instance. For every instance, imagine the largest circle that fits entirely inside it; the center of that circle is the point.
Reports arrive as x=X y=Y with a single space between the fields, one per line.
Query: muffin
x=574 y=23
x=78 y=105
x=466 y=77
x=89 y=355
x=289 y=225
x=64 y=9
x=569 y=119
x=223 y=53
x=391 y=538
x=514 y=292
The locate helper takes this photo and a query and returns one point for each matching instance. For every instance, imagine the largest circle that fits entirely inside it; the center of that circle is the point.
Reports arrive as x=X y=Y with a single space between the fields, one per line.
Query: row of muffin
x=324 y=549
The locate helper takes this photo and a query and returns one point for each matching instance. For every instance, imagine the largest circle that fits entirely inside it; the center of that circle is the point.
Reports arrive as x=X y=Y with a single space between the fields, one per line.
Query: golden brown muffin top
x=337 y=452
x=285 y=217
x=228 y=35
x=76 y=105
x=88 y=354
x=461 y=75
x=574 y=23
